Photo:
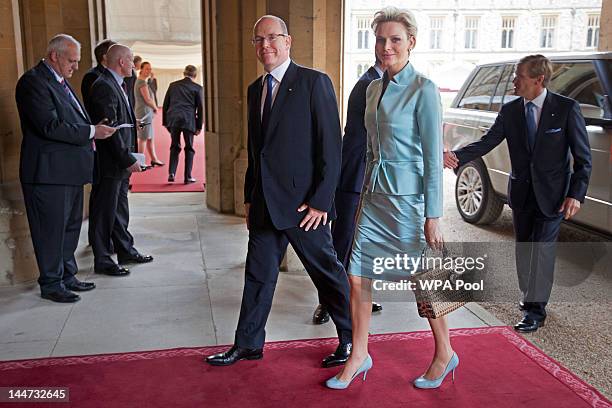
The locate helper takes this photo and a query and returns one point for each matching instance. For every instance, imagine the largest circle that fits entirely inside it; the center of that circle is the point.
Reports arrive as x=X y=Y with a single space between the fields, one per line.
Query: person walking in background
x=351 y=177
x=401 y=200
x=145 y=111
x=110 y=214
x=541 y=128
x=183 y=113
x=56 y=161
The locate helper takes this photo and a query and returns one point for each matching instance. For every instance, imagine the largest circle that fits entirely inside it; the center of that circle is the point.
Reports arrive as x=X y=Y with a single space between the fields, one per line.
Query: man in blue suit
x=294 y=148
x=542 y=129
x=351 y=177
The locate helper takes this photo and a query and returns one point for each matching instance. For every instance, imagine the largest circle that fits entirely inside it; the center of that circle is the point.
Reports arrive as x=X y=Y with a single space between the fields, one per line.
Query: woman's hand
x=433 y=235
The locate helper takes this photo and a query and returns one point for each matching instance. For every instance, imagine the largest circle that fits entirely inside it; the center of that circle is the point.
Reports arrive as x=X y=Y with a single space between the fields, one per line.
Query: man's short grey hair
x=396 y=15
x=60 y=44
x=279 y=20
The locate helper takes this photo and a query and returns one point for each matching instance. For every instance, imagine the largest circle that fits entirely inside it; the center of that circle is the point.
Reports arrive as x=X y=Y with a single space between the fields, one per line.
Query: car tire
x=476 y=200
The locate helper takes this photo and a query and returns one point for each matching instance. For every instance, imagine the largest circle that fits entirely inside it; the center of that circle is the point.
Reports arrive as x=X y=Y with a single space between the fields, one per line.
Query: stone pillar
x=229 y=66
x=605 y=24
x=25 y=28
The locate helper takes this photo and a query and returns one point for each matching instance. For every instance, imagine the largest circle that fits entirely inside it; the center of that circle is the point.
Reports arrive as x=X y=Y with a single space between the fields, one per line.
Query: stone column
x=25 y=28
x=605 y=24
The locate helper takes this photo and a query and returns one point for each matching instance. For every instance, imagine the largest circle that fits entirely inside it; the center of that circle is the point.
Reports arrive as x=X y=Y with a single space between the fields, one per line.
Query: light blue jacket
x=404 y=151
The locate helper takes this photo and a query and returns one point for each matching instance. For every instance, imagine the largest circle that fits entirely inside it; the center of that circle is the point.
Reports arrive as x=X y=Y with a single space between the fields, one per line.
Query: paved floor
x=189 y=296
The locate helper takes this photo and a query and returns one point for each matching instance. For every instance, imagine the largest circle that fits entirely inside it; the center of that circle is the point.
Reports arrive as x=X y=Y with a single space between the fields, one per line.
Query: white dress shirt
x=538 y=101
x=277 y=74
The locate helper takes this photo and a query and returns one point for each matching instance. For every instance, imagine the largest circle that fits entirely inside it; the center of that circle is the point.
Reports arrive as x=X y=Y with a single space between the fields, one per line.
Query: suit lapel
x=82 y=110
x=122 y=97
x=286 y=87
x=545 y=118
x=60 y=90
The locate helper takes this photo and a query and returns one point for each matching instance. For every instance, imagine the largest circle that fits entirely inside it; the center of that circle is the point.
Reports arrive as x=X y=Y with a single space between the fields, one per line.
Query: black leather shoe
x=79 y=286
x=528 y=325
x=521 y=306
x=63 y=296
x=376 y=307
x=138 y=258
x=339 y=356
x=190 y=180
x=321 y=315
x=170 y=178
x=114 y=270
x=233 y=355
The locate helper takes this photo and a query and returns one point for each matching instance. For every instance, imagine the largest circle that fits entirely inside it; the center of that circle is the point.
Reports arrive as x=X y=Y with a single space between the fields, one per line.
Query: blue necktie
x=531 y=124
x=265 y=118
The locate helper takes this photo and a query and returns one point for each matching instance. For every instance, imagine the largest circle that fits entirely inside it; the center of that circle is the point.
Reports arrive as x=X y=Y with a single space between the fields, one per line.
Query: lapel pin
x=290 y=89
x=552 y=114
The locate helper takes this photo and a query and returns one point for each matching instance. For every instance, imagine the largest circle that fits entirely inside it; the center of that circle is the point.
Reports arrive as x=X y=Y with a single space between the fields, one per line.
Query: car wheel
x=476 y=200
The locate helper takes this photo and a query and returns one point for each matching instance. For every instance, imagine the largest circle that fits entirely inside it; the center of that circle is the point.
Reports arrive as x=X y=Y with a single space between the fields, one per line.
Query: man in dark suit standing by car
x=56 y=161
x=109 y=213
x=351 y=177
x=183 y=113
x=542 y=129
x=294 y=147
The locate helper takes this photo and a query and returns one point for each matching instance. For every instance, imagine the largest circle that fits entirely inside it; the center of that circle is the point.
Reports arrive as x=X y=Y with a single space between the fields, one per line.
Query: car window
x=579 y=81
x=481 y=89
x=502 y=89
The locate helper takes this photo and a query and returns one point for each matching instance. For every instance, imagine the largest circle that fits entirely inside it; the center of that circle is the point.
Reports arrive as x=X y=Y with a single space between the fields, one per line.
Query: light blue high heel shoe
x=422 y=382
x=336 y=384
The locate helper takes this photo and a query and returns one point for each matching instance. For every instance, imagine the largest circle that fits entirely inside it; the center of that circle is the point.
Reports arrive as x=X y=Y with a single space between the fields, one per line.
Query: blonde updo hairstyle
x=396 y=15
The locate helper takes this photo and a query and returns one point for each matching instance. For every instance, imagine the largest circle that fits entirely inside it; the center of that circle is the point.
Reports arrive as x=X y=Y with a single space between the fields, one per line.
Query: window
x=436 y=25
x=504 y=92
x=471 y=32
x=507 y=33
x=361 y=69
x=480 y=92
x=363 y=33
x=547 y=36
x=593 y=31
x=579 y=81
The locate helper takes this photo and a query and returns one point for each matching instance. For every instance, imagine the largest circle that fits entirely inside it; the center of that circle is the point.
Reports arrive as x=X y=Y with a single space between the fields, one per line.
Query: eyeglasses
x=270 y=38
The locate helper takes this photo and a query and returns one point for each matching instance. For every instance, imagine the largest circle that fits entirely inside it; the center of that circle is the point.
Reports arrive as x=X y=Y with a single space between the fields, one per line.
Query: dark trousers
x=175 y=150
x=55 y=214
x=536 y=244
x=266 y=248
x=109 y=217
x=343 y=227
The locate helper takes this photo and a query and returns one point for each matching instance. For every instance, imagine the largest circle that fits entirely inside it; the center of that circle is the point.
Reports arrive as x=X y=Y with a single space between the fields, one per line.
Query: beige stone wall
x=605 y=32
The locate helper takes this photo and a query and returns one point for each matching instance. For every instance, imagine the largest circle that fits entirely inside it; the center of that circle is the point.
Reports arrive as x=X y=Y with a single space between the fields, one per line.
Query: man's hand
x=103 y=131
x=313 y=217
x=433 y=235
x=450 y=160
x=570 y=207
x=197 y=132
x=247 y=208
x=135 y=168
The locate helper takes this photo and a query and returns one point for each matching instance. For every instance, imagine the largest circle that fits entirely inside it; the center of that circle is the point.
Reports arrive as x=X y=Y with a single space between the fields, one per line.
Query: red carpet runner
x=497 y=368
x=156 y=179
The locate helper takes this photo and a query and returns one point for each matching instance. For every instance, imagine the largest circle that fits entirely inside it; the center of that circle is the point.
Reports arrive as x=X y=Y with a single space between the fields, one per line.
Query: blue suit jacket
x=298 y=160
x=355 y=136
x=547 y=168
x=405 y=139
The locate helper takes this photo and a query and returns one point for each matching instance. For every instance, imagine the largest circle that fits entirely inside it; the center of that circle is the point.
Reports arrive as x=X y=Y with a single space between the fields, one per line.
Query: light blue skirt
x=387 y=226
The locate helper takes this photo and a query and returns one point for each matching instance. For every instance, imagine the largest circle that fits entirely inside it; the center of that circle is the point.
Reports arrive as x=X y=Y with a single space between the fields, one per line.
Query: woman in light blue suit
x=402 y=193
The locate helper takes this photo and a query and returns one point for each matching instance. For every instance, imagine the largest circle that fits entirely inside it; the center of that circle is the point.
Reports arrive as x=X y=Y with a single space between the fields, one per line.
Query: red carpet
x=497 y=369
x=155 y=179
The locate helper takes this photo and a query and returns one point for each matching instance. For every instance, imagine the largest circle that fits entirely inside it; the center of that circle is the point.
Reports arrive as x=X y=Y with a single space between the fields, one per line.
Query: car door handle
x=483 y=128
